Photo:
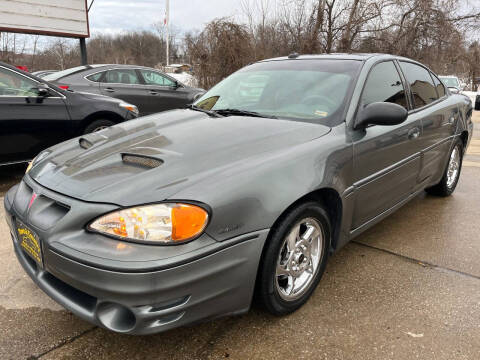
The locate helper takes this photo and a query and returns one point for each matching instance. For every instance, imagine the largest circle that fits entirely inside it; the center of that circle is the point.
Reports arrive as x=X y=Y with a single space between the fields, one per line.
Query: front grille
x=41 y=211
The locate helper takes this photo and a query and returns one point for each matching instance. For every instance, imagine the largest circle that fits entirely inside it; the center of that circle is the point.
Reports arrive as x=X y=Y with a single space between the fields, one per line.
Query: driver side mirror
x=381 y=113
x=43 y=90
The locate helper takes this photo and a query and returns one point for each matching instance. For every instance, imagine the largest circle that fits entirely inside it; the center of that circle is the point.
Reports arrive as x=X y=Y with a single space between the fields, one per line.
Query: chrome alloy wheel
x=100 y=128
x=299 y=259
x=453 y=167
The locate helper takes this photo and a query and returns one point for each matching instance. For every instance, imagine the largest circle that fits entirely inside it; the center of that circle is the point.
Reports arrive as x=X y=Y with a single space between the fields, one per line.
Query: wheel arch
x=330 y=199
x=101 y=115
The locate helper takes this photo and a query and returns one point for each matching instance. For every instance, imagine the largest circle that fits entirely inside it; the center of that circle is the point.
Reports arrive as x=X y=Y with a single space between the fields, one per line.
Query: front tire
x=294 y=259
x=98 y=125
x=449 y=181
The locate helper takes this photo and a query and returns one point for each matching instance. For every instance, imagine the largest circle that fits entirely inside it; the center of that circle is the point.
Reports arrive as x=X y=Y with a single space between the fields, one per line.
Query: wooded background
x=443 y=34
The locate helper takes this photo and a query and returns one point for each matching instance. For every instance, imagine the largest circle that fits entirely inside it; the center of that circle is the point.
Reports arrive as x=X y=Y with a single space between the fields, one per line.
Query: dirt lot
x=408 y=288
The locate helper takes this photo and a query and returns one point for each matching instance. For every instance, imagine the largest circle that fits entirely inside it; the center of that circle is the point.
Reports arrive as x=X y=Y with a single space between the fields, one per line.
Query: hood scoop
x=141 y=160
x=84 y=143
x=89 y=140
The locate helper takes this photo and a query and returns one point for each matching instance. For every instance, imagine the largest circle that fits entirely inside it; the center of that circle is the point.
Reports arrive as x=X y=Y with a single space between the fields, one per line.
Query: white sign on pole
x=67 y=18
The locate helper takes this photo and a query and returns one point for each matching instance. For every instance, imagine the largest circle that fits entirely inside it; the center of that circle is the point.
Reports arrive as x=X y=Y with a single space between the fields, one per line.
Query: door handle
x=414 y=133
x=109 y=89
x=153 y=92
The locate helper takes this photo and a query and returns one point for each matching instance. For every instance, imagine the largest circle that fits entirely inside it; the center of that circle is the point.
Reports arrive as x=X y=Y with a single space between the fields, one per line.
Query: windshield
x=450 y=81
x=308 y=90
x=63 y=73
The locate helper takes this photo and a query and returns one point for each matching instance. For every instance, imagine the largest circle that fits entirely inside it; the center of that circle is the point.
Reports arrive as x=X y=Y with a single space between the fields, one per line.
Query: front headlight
x=159 y=224
x=36 y=160
x=129 y=107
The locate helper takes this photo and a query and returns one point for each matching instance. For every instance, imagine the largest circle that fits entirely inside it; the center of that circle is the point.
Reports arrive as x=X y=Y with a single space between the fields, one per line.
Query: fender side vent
x=85 y=144
x=143 y=161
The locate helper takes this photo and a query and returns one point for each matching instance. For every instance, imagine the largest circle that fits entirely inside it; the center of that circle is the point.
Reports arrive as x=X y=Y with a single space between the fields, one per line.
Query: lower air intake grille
x=144 y=161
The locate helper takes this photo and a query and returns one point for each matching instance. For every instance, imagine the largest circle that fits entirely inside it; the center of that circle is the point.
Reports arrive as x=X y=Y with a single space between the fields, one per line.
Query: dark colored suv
x=35 y=114
x=149 y=89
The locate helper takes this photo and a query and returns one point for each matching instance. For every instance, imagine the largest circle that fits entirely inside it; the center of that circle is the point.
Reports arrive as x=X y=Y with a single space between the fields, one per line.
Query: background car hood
x=188 y=145
x=97 y=97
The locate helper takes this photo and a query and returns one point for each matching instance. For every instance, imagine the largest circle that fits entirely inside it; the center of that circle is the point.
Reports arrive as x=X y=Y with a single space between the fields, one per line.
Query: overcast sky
x=113 y=16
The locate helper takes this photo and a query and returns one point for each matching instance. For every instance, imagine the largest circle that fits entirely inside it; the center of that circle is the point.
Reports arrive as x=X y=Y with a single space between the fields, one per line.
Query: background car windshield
x=310 y=90
x=450 y=82
x=58 y=75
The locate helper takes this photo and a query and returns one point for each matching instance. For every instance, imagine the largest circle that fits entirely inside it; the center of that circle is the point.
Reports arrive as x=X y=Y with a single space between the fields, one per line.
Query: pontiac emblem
x=32 y=199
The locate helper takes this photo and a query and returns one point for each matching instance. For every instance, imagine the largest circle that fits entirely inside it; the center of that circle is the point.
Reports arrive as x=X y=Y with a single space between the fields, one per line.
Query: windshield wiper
x=227 y=112
x=208 y=112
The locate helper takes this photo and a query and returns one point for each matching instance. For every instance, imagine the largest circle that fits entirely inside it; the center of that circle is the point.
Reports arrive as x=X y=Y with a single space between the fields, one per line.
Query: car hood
x=97 y=97
x=182 y=147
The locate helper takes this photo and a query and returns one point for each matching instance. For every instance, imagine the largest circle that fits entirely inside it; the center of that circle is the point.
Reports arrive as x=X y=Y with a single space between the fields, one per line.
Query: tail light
x=64 y=87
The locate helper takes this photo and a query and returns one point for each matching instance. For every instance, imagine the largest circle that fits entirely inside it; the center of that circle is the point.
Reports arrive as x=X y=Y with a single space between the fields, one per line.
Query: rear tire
x=294 y=259
x=98 y=125
x=449 y=181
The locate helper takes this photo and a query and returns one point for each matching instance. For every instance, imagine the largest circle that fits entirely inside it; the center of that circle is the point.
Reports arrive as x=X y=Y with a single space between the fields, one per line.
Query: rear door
x=386 y=158
x=124 y=84
x=163 y=92
x=28 y=123
x=438 y=116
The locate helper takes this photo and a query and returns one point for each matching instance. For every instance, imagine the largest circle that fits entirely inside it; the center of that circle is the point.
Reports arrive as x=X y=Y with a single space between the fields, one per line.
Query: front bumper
x=214 y=279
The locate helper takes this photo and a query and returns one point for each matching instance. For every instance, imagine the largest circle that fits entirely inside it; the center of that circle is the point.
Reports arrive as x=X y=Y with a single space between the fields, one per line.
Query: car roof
x=119 y=66
x=339 y=56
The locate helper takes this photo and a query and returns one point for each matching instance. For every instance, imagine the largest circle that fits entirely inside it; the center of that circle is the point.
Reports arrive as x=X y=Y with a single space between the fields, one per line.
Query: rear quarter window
x=96 y=77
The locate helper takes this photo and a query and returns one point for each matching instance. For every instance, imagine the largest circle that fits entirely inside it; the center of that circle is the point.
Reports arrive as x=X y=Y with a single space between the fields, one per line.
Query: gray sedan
x=182 y=216
x=149 y=89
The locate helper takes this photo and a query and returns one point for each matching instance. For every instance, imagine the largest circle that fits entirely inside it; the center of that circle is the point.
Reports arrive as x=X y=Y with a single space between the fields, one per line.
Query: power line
x=90 y=6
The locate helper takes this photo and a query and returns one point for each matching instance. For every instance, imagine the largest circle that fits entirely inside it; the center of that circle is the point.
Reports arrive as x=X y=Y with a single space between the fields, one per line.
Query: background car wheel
x=98 y=125
x=294 y=259
x=452 y=173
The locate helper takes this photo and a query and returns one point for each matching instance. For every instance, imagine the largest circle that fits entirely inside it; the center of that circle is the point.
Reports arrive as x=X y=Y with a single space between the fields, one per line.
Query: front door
x=386 y=158
x=28 y=123
x=163 y=92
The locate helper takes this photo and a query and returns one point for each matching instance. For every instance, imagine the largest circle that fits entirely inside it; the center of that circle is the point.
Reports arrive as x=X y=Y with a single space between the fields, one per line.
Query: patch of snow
x=471 y=94
x=414 y=335
x=186 y=79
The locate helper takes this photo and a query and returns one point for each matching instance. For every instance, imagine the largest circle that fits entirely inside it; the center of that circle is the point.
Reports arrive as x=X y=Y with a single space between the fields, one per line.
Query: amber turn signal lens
x=187 y=222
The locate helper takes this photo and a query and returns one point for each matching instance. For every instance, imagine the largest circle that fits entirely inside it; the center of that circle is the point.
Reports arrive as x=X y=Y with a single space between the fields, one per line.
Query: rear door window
x=122 y=76
x=384 y=85
x=154 y=78
x=421 y=84
x=439 y=86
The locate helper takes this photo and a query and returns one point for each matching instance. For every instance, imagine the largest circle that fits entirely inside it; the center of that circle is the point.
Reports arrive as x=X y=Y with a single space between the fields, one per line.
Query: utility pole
x=167 y=24
x=83 y=43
